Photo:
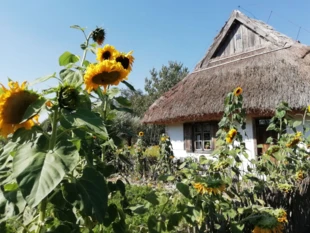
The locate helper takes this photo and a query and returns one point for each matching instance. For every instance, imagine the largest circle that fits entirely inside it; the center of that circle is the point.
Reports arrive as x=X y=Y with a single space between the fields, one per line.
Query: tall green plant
x=54 y=177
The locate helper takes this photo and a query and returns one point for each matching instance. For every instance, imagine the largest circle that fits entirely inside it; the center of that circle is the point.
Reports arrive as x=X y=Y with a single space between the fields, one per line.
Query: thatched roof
x=275 y=72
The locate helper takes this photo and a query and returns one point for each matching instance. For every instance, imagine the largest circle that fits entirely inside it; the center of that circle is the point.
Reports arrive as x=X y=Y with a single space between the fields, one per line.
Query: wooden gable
x=240 y=35
x=239 y=39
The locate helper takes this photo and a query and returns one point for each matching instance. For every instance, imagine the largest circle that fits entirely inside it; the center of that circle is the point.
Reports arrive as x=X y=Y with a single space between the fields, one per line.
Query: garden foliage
x=63 y=177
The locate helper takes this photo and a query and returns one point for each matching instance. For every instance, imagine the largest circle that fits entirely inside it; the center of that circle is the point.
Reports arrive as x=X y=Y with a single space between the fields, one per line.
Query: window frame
x=201 y=129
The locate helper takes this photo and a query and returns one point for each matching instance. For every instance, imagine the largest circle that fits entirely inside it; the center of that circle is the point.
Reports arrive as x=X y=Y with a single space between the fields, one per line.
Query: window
x=203 y=134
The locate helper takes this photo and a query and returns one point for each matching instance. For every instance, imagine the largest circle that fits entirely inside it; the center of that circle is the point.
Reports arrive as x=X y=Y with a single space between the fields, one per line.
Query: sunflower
x=98 y=35
x=13 y=105
x=108 y=52
x=204 y=188
x=49 y=104
x=228 y=139
x=230 y=135
x=126 y=60
x=308 y=108
x=238 y=91
x=141 y=134
x=277 y=229
x=103 y=74
x=281 y=215
x=293 y=142
x=300 y=175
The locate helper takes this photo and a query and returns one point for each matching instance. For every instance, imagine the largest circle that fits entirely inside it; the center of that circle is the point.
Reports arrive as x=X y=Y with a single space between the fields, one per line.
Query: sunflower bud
x=68 y=98
x=98 y=35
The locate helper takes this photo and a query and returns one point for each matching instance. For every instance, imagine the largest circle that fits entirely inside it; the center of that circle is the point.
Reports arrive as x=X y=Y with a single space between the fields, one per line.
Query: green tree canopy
x=163 y=80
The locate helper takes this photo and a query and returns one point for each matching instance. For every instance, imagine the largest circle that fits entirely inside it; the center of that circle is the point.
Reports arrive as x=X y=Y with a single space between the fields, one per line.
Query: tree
x=163 y=80
x=159 y=82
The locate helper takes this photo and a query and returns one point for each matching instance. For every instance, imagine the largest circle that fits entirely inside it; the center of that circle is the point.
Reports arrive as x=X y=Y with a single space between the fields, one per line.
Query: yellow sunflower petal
x=108 y=52
x=13 y=105
x=238 y=91
x=103 y=74
x=126 y=60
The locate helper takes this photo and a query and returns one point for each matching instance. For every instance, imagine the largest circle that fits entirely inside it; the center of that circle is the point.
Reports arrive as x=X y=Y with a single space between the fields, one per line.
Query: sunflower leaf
x=71 y=77
x=38 y=171
x=11 y=204
x=123 y=101
x=86 y=120
x=113 y=107
x=33 y=109
x=77 y=27
x=129 y=85
x=92 y=49
x=67 y=58
x=43 y=79
x=89 y=194
x=113 y=92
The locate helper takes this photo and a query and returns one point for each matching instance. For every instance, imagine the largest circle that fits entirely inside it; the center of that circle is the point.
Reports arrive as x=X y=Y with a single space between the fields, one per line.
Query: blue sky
x=34 y=33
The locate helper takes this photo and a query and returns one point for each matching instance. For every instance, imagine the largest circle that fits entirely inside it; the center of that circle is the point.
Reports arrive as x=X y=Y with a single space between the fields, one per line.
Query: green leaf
x=174 y=221
x=138 y=209
x=43 y=79
x=112 y=211
x=121 y=187
x=86 y=63
x=297 y=123
x=87 y=120
x=83 y=46
x=93 y=190
x=67 y=58
x=152 y=198
x=152 y=224
x=10 y=187
x=184 y=189
x=113 y=92
x=123 y=101
x=72 y=77
x=77 y=27
x=92 y=49
x=271 y=126
x=113 y=107
x=129 y=85
x=33 y=109
x=236 y=227
x=280 y=113
x=11 y=204
x=119 y=226
x=38 y=171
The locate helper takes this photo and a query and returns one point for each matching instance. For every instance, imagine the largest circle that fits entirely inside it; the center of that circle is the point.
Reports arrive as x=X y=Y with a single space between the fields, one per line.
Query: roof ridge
x=261 y=28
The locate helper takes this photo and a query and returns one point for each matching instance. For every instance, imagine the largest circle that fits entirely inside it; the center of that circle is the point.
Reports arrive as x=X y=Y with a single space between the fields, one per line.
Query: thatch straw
x=266 y=79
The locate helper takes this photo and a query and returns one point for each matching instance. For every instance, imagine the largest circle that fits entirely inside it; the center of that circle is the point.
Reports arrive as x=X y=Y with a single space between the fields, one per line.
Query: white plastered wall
x=249 y=141
x=176 y=134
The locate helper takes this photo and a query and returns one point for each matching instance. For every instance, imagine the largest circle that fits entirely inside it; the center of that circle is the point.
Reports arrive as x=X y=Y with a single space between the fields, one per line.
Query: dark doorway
x=261 y=125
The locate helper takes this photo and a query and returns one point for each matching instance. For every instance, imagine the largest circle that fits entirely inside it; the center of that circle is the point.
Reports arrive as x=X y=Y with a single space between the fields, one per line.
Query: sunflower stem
x=41 y=218
x=43 y=204
x=54 y=129
x=304 y=121
x=85 y=50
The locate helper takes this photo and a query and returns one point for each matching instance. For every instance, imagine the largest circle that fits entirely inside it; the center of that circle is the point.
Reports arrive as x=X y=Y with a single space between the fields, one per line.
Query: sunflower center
x=16 y=106
x=124 y=61
x=105 y=78
x=238 y=91
x=106 y=55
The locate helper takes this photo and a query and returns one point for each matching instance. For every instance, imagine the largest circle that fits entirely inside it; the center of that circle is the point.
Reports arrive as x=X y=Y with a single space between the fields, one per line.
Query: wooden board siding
x=188 y=135
x=238 y=40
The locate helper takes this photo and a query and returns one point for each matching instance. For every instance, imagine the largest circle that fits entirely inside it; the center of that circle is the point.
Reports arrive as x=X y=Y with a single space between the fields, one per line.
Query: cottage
x=269 y=66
